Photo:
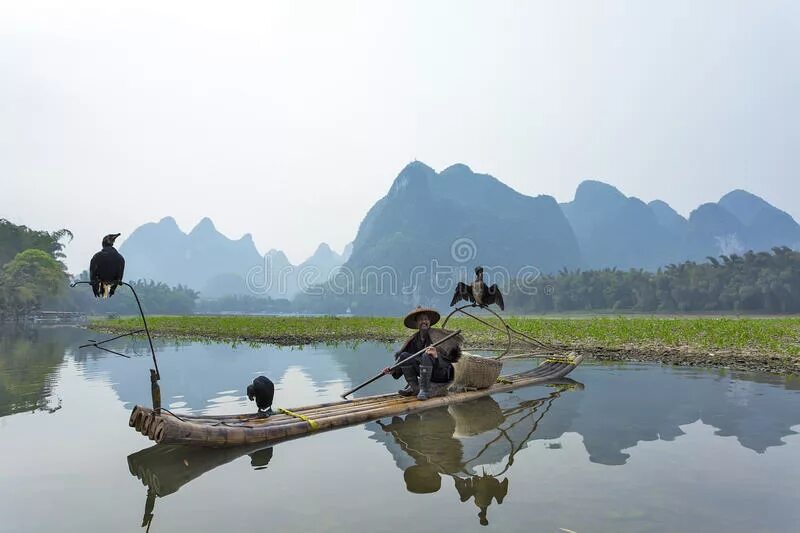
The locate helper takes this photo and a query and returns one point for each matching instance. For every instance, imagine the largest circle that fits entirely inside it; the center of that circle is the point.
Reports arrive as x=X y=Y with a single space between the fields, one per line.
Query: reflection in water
x=625 y=406
x=458 y=442
x=165 y=469
x=462 y=442
x=648 y=402
x=29 y=360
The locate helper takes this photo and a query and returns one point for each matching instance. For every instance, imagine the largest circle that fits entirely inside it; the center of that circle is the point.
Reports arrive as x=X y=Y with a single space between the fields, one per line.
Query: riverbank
x=755 y=344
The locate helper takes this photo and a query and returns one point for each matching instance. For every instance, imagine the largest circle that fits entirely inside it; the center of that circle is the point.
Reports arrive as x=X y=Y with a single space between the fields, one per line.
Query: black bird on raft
x=107 y=268
x=478 y=293
x=262 y=391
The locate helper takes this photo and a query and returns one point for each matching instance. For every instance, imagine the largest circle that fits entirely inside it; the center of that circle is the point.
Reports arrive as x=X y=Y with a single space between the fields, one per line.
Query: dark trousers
x=441 y=370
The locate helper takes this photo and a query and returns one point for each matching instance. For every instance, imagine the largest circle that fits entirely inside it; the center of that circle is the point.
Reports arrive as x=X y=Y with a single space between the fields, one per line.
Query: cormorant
x=262 y=390
x=107 y=268
x=478 y=293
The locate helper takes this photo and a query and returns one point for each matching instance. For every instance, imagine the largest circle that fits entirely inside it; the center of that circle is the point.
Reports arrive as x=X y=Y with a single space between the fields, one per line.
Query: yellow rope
x=505 y=381
x=313 y=424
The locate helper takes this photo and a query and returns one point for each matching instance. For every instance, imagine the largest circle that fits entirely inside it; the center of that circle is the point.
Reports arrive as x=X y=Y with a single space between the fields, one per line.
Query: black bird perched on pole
x=478 y=293
x=262 y=390
x=106 y=268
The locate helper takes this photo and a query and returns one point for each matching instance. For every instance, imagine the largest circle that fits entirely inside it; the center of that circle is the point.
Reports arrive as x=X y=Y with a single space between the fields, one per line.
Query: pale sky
x=288 y=120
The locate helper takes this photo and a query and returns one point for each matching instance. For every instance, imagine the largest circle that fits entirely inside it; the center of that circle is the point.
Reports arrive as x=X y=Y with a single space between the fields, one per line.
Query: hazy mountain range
x=443 y=224
x=618 y=231
x=208 y=261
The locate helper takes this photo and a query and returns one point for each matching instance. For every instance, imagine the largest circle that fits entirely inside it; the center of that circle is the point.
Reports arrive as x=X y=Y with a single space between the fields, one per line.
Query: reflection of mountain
x=636 y=403
x=202 y=375
x=473 y=443
x=197 y=372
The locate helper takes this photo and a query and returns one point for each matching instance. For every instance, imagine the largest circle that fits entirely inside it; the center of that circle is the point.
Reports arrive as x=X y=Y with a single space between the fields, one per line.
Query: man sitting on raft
x=430 y=373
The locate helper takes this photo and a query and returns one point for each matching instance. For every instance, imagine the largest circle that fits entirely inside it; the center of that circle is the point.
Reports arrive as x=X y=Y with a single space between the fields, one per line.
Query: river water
x=628 y=447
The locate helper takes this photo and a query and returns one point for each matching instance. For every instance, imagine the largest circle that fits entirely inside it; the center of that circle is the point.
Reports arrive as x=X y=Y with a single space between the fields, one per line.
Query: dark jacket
x=448 y=352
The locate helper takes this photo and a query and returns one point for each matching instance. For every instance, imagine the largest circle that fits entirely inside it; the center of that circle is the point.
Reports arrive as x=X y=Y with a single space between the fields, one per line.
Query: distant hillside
x=208 y=261
x=614 y=230
x=765 y=226
x=455 y=220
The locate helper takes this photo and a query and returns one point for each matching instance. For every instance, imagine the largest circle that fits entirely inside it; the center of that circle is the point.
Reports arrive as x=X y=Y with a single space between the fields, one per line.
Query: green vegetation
x=15 y=239
x=27 y=280
x=155 y=298
x=279 y=329
x=31 y=270
x=760 y=343
x=753 y=282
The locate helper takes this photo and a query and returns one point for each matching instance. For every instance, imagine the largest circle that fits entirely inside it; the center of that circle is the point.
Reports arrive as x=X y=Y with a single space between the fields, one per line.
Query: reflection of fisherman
x=429 y=438
x=430 y=373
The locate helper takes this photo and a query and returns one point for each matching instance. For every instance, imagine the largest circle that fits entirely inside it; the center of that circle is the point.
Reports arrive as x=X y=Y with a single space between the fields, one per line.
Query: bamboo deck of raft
x=247 y=429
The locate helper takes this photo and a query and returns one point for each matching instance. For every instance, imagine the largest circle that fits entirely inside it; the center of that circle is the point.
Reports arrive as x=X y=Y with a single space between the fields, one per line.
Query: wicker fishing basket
x=475 y=372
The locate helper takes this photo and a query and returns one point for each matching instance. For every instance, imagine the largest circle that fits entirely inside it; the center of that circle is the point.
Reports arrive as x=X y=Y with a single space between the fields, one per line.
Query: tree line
x=760 y=282
x=157 y=298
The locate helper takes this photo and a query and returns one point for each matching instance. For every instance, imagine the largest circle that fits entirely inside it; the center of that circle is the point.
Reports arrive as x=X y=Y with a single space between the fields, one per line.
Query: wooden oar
x=379 y=376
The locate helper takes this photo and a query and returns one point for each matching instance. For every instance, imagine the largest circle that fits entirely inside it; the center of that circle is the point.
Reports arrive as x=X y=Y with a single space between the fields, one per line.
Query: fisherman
x=431 y=372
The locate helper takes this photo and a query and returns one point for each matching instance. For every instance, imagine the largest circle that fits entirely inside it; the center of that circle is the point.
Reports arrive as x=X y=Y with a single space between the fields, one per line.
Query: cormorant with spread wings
x=478 y=293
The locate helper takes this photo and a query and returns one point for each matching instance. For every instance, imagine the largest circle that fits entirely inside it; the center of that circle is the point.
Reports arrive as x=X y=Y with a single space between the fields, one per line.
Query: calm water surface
x=628 y=448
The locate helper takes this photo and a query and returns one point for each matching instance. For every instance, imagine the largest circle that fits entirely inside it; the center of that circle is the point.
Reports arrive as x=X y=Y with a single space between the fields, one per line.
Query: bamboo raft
x=249 y=429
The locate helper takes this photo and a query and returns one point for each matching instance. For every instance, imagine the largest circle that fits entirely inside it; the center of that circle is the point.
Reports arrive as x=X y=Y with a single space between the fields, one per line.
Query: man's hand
x=431 y=350
x=387 y=370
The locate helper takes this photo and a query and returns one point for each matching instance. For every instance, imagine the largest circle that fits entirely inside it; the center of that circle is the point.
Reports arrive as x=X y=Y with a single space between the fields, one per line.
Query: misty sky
x=288 y=120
